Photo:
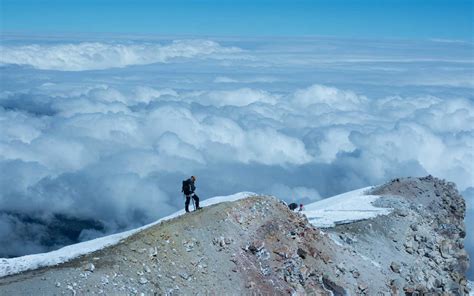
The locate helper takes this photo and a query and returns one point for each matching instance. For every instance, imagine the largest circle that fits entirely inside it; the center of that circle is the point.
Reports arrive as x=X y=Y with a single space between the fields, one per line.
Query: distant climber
x=188 y=190
x=293 y=206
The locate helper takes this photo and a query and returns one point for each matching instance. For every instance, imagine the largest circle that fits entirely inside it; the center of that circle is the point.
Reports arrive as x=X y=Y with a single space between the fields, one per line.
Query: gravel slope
x=256 y=246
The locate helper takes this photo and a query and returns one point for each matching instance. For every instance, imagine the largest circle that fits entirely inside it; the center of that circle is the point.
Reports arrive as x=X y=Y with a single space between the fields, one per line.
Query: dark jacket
x=293 y=206
x=189 y=187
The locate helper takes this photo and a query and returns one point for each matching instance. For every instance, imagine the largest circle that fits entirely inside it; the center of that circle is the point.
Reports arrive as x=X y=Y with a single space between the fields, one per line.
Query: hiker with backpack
x=293 y=206
x=188 y=190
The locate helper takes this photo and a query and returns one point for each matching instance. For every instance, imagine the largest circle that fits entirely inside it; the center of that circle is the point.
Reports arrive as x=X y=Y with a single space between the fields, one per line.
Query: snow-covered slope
x=28 y=262
x=344 y=208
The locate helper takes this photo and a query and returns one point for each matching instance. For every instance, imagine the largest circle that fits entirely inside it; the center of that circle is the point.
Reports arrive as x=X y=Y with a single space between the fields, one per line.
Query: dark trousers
x=188 y=199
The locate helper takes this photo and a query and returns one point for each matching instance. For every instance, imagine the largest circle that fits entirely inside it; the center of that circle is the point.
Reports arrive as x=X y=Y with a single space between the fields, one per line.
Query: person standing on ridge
x=188 y=190
x=293 y=206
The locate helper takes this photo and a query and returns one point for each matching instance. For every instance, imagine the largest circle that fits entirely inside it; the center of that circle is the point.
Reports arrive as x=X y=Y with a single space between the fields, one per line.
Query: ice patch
x=374 y=263
x=344 y=208
x=19 y=264
x=335 y=239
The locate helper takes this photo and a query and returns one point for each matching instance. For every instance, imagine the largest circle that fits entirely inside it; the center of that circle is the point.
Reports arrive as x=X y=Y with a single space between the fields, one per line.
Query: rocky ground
x=418 y=248
x=257 y=246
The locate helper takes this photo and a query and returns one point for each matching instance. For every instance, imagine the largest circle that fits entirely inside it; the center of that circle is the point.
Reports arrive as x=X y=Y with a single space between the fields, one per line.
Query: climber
x=293 y=206
x=188 y=190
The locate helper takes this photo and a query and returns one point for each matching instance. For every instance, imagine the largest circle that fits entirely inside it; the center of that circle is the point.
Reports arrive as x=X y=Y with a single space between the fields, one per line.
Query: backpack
x=185 y=187
x=293 y=206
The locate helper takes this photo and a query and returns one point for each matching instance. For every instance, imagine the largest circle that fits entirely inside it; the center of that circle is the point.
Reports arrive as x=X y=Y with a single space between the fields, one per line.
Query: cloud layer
x=98 y=55
x=108 y=149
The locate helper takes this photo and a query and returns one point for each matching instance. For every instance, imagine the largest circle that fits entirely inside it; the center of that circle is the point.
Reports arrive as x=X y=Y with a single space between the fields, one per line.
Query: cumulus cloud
x=224 y=79
x=300 y=194
x=97 y=56
x=145 y=94
x=107 y=150
x=235 y=97
x=328 y=142
x=321 y=96
x=256 y=79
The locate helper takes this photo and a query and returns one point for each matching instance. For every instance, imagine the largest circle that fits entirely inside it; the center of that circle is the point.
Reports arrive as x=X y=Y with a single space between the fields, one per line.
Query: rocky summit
x=257 y=246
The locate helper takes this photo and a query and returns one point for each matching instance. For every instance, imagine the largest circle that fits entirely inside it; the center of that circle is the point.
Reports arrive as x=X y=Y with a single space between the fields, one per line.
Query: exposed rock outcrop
x=418 y=248
x=258 y=246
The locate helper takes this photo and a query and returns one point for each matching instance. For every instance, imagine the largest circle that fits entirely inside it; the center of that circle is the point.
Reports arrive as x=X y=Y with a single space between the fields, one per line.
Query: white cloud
x=116 y=144
x=256 y=79
x=56 y=153
x=265 y=146
x=145 y=94
x=333 y=141
x=224 y=79
x=84 y=105
x=98 y=56
x=235 y=97
x=269 y=147
x=453 y=115
x=171 y=144
x=317 y=96
x=19 y=126
x=299 y=194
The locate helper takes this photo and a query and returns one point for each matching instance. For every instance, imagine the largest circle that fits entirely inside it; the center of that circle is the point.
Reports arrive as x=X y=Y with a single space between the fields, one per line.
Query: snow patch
x=374 y=263
x=336 y=239
x=19 y=264
x=344 y=208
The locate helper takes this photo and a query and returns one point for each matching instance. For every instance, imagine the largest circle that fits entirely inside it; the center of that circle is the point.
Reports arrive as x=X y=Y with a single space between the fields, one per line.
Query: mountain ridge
x=256 y=245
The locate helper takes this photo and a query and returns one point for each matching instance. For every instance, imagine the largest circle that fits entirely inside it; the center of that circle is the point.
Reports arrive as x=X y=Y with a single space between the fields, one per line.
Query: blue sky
x=357 y=18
